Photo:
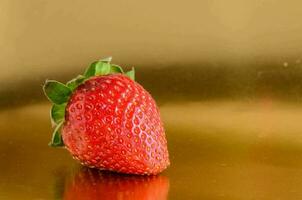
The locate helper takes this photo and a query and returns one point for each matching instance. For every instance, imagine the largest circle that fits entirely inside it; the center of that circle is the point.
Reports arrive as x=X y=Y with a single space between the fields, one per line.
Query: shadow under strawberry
x=91 y=184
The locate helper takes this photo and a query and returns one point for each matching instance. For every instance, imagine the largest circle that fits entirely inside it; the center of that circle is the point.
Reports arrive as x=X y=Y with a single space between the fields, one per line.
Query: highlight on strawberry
x=108 y=121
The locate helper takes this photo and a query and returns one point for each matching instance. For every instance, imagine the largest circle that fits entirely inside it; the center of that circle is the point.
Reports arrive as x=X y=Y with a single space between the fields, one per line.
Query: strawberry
x=89 y=184
x=108 y=121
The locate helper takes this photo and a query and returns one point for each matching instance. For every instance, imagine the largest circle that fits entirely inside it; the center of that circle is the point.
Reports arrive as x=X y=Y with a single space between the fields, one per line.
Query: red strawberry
x=89 y=184
x=108 y=121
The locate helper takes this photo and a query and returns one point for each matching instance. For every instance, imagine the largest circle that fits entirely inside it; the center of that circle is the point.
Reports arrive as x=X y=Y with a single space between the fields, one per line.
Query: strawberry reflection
x=91 y=184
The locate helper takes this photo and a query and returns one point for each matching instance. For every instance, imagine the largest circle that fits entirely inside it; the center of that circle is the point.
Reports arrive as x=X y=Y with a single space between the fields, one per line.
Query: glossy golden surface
x=218 y=149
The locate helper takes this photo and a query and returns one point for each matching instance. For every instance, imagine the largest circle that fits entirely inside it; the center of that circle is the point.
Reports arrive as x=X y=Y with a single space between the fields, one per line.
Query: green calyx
x=59 y=93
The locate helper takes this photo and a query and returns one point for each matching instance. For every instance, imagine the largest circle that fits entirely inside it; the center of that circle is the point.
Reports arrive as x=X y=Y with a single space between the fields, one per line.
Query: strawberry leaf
x=57 y=113
x=56 y=92
x=57 y=140
x=102 y=68
x=90 y=71
x=106 y=60
x=131 y=74
x=116 y=69
x=74 y=83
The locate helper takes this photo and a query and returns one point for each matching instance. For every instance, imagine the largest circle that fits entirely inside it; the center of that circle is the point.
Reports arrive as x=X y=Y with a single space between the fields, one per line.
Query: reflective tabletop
x=223 y=144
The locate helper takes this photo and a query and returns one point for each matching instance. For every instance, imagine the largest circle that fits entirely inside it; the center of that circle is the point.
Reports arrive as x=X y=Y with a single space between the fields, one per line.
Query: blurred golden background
x=227 y=76
x=233 y=46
